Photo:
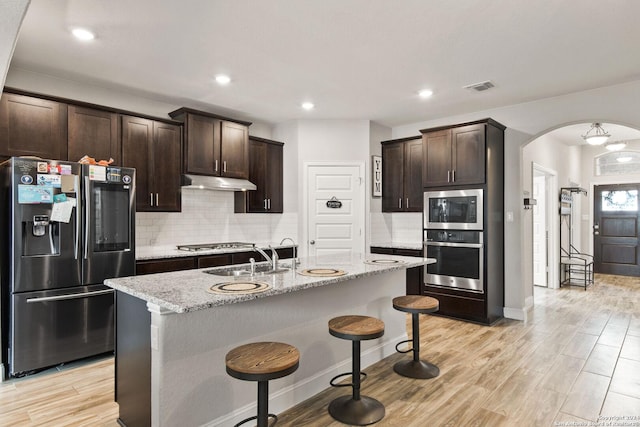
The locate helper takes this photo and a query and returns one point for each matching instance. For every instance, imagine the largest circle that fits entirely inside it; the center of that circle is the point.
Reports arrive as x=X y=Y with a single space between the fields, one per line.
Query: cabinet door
x=165 y=158
x=93 y=133
x=468 y=154
x=393 y=177
x=413 y=176
x=234 y=150
x=257 y=200
x=274 y=178
x=437 y=158
x=137 y=137
x=203 y=145
x=32 y=127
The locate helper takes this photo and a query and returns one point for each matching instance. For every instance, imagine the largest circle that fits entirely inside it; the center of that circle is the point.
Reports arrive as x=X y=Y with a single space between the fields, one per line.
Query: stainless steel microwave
x=454 y=209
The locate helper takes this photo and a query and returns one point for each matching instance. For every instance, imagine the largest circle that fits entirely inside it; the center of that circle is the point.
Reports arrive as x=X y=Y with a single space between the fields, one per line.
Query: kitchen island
x=172 y=334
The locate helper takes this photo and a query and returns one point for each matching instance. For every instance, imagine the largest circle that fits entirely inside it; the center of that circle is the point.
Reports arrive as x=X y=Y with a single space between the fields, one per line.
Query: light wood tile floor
x=577 y=360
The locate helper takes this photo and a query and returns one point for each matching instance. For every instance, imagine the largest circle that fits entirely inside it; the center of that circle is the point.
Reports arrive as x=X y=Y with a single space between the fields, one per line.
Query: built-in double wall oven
x=453 y=230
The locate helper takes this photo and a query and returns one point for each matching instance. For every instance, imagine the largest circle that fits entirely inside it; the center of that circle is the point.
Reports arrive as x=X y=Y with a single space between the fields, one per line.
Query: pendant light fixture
x=596 y=135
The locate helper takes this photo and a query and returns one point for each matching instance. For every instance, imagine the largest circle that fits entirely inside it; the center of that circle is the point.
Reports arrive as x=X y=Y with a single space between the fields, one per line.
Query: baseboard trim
x=288 y=397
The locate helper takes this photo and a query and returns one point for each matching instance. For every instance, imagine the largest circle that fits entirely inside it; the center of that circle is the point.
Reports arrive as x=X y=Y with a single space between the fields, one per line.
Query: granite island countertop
x=188 y=290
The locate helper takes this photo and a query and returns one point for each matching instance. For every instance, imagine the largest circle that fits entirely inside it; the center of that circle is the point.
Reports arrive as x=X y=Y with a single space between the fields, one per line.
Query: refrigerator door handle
x=76 y=244
x=70 y=296
x=51 y=244
x=87 y=221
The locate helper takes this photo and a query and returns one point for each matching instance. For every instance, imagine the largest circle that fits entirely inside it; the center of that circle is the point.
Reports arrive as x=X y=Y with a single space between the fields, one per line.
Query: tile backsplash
x=206 y=217
x=396 y=227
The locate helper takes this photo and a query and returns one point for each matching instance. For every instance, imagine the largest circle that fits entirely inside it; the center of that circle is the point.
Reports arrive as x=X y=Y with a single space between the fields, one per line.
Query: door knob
x=312 y=242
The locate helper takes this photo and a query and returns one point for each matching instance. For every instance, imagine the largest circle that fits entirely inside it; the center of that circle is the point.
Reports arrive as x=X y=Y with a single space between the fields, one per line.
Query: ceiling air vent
x=479 y=87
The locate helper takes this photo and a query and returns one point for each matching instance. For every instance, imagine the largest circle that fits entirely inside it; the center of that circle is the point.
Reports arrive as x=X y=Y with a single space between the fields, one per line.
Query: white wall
x=613 y=104
x=551 y=154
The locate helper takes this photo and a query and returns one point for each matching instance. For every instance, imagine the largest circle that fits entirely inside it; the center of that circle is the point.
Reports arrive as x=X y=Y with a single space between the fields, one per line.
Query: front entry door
x=335 y=207
x=616 y=229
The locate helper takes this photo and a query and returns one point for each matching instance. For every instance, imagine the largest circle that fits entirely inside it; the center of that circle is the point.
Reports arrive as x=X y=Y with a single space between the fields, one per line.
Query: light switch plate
x=509 y=216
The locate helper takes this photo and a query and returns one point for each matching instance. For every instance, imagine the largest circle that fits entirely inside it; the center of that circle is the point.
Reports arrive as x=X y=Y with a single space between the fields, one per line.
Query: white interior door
x=335 y=209
x=540 y=233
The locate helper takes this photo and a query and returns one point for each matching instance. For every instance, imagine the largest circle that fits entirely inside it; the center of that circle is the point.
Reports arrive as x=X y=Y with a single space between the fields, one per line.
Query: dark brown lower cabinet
x=414 y=275
x=459 y=304
x=164 y=265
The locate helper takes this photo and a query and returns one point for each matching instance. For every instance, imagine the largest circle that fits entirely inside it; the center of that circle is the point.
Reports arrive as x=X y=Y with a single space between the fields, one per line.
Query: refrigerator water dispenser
x=40 y=237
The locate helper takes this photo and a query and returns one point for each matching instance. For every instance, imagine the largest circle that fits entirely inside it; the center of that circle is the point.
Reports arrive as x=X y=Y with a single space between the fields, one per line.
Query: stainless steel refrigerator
x=65 y=227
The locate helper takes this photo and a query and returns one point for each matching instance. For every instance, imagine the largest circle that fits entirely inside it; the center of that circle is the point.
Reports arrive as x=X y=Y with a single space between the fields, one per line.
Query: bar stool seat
x=355 y=409
x=415 y=368
x=261 y=362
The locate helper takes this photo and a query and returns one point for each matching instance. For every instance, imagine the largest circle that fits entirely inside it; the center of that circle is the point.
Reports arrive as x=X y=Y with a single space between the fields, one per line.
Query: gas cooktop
x=224 y=245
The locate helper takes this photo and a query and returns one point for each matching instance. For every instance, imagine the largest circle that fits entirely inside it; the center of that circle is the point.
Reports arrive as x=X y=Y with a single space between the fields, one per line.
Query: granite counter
x=189 y=290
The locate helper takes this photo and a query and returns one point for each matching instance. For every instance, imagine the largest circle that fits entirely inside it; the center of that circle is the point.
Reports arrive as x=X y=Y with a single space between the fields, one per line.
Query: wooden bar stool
x=261 y=362
x=355 y=409
x=416 y=368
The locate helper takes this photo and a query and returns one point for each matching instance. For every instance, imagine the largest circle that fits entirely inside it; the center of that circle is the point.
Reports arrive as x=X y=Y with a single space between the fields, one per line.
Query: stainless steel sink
x=260 y=270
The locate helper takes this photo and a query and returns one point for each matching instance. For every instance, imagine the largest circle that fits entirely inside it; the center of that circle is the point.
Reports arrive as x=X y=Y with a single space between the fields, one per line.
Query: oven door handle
x=455 y=245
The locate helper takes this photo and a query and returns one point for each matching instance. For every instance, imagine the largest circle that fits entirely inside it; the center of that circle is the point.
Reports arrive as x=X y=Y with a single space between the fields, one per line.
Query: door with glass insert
x=616 y=229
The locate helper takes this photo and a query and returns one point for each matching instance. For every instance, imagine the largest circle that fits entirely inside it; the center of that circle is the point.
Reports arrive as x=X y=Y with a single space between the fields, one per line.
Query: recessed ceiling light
x=308 y=105
x=223 y=79
x=425 y=93
x=83 y=34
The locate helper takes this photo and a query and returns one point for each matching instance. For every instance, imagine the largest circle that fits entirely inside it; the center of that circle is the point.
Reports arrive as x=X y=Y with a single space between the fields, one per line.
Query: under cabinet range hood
x=218 y=183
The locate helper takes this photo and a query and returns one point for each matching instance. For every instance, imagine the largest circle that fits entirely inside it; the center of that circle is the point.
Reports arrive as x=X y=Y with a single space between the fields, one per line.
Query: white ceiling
x=355 y=59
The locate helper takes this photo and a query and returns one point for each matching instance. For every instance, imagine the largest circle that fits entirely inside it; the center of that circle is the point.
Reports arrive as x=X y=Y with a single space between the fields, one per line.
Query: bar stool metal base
x=361 y=412
x=416 y=369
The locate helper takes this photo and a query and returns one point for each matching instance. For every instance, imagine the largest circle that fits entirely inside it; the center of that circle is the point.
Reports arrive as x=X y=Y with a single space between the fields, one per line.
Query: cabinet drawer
x=460 y=307
x=381 y=250
x=409 y=252
x=243 y=257
x=214 y=260
x=165 y=265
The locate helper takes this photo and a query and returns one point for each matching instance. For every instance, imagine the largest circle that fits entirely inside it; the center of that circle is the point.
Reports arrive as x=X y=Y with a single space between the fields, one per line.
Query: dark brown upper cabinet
x=454 y=156
x=265 y=171
x=154 y=149
x=214 y=145
x=32 y=126
x=92 y=132
x=402 y=175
